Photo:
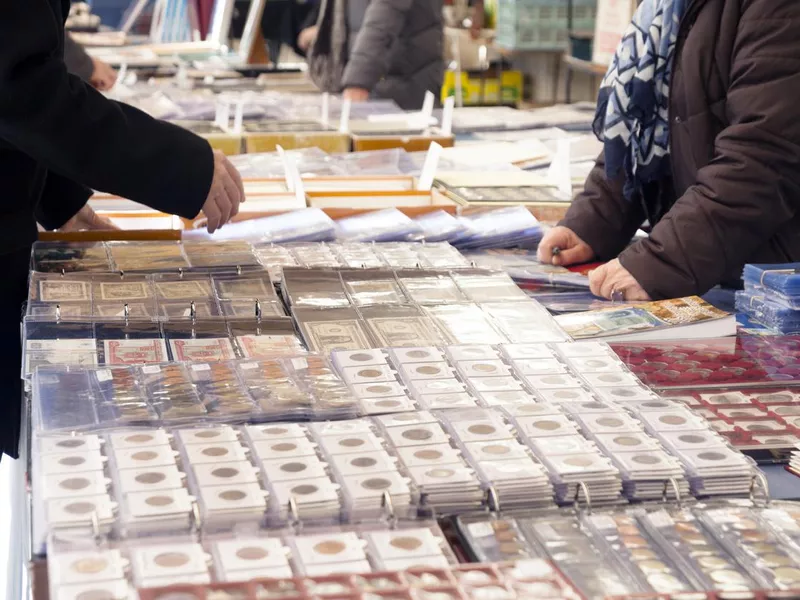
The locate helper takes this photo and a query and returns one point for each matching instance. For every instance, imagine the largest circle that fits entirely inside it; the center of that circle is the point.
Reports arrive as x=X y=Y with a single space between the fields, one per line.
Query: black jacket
x=59 y=137
x=77 y=60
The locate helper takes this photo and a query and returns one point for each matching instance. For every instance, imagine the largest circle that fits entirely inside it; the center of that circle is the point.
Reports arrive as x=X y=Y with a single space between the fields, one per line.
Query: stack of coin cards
x=504 y=464
x=246 y=558
x=444 y=479
x=400 y=326
x=331 y=399
x=364 y=469
x=376 y=396
x=154 y=565
x=429 y=377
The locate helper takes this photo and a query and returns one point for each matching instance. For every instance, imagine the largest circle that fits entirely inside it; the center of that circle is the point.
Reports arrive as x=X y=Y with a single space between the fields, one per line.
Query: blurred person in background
x=390 y=49
x=92 y=70
x=700 y=124
x=59 y=140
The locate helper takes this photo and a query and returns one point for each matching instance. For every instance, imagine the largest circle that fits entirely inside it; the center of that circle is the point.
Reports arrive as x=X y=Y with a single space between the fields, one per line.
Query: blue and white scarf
x=632 y=108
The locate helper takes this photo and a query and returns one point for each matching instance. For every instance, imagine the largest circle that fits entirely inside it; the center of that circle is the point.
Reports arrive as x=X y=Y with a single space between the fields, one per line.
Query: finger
x=612 y=288
x=569 y=256
x=212 y=216
x=596 y=280
x=555 y=239
x=232 y=193
x=224 y=205
x=637 y=294
x=237 y=178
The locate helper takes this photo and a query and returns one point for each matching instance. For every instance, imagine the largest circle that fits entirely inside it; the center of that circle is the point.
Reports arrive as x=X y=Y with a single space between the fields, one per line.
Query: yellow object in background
x=489 y=90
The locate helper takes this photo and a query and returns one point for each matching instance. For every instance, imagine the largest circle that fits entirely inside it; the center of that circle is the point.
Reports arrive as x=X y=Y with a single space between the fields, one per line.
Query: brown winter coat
x=735 y=152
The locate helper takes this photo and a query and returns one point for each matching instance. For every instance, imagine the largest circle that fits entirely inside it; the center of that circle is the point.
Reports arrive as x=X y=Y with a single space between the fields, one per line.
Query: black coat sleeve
x=78 y=62
x=78 y=134
x=61 y=199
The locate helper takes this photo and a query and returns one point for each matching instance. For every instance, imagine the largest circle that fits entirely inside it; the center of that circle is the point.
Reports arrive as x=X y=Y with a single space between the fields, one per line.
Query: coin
x=578 y=461
x=171 y=559
x=71 y=443
x=642 y=554
x=305 y=489
x=364 y=461
x=329 y=547
x=251 y=553
x=610 y=422
x=547 y=425
x=646 y=459
x=225 y=472
x=418 y=354
x=351 y=442
x=496 y=449
x=208 y=433
x=72 y=461
x=215 y=451
x=653 y=565
x=665 y=583
x=428 y=454
x=418 y=434
x=634 y=541
x=727 y=576
x=711 y=456
x=74 y=483
x=144 y=455
x=406 y=543
x=232 y=495
x=626 y=440
x=91 y=565
x=387 y=403
x=294 y=467
x=485 y=368
x=80 y=508
x=788 y=574
x=440 y=473
x=378 y=389
x=139 y=438
x=376 y=483
x=369 y=373
x=672 y=419
x=159 y=501
x=284 y=447
x=274 y=430
x=481 y=429
x=360 y=357
x=754 y=536
x=774 y=559
x=510 y=548
x=713 y=562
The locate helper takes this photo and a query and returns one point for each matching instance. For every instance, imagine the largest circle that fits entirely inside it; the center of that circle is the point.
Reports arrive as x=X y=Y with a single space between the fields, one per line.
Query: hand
x=478 y=15
x=307 y=37
x=572 y=249
x=88 y=220
x=103 y=76
x=614 y=282
x=356 y=94
x=226 y=192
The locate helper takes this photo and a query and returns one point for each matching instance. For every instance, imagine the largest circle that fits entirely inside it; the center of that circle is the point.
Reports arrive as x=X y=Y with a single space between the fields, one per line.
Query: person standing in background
x=92 y=70
x=391 y=49
x=59 y=140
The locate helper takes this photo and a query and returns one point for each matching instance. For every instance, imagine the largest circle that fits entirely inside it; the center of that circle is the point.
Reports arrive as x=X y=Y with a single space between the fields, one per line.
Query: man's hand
x=88 y=220
x=356 y=94
x=614 y=282
x=104 y=76
x=307 y=37
x=572 y=249
x=225 y=195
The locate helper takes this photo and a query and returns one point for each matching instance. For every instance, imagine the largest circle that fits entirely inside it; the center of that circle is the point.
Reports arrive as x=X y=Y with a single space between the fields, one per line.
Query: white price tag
x=299 y=363
x=103 y=375
x=248 y=366
x=151 y=369
x=201 y=367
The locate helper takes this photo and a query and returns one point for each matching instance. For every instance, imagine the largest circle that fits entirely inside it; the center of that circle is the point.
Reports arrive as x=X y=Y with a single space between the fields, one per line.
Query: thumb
x=569 y=256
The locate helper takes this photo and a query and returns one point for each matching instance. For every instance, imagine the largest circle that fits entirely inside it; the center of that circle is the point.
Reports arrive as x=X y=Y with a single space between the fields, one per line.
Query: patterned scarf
x=632 y=108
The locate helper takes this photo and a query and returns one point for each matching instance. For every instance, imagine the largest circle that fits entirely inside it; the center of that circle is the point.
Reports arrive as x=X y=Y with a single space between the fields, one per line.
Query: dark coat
x=734 y=194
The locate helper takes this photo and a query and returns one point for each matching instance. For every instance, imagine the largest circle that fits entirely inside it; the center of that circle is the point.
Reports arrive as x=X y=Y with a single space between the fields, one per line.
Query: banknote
x=77 y=358
x=117 y=309
x=374 y=292
x=202 y=349
x=326 y=336
x=251 y=288
x=131 y=352
x=266 y=346
x=409 y=331
x=179 y=290
x=63 y=290
x=124 y=290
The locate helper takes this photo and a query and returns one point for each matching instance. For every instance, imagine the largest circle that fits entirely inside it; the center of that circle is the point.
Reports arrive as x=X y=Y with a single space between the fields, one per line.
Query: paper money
x=177 y=310
x=65 y=356
x=410 y=331
x=204 y=349
x=131 y=352
x=63 y=290
x=179 y=290
x=139 y=290
x=374 y=292
x=335 y=335
x=245 y=288
x=117 y=309
x=267 y=346
x=64 y=311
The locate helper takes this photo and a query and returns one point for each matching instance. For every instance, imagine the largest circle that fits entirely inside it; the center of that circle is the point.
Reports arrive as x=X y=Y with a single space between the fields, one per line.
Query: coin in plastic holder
x=276 y=431
x=717 y=458
x=418 y=435
x=225 y=473
x=483 y=368
x=368 y=374
x=438 y=454
x=246 y=500
x=531 y=409
x=554 y=425
x=118 y=589
x=378 y=389
x=673 y=420
x=562 y=445
x=366 y=491
x=471 y=352
x=440 y=401
x=405 y=419
x=328 y=548
x=526 y=351
x=551 y=382
x=150 y=479
x=480 y=430
x=579 y=463
x=482 y=385
x=90 y=483
x=206 y=435
x=497 y=450
x=139 y=439
x=609 y=423
x=68 y=443
x=406 y=543
x=215 y=452
x=633 y=393
x=584 y=350
x=318 y=493
x=628 y=441
x=351 y=443
x=594 y=409
x=152 y=508
x=71 y=462
x=539 y=366
x=422 y=387
x=292 y=468
x=508 y=398
x=416 y=355
x=611 y=379
x=426 y=370
x=82 y=511
x=352 y=426
x=250 y=558
x=292 y=447
x=725 y=398
x=364 y=463
x=83 y=567
x=391 y=404
x=168 y=564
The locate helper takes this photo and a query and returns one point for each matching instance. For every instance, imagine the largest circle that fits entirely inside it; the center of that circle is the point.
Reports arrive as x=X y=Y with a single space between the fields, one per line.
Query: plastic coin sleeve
x=294 y=468
x=86 y=567
x=225 y=473
x=215 y=452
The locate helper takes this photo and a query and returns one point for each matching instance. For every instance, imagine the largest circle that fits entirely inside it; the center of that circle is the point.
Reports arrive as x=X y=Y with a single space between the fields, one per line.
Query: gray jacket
x=395 y=49
x=78 y=62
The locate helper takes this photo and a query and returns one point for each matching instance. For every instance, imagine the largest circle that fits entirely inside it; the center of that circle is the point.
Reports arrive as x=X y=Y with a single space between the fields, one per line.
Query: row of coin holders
x=116 y=343
x=360 y=255
x=749 y=418
x=532 y=578
x=135 y=297
x=666 y=551
x=319 y=553
x=329 y=288
x=726 y=362
x=66 y=399
x=57 y=257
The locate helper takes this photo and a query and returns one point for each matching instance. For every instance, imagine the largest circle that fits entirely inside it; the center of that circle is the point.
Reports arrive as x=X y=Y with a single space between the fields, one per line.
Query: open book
x=679 y=319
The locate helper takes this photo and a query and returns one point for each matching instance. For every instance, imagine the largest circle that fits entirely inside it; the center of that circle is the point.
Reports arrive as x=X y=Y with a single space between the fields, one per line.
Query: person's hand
x=614 y=282
x=225 y=194
x=356 y=94
x=103 y=76
x=88 y=220
x=572 y=249
x=306 y=38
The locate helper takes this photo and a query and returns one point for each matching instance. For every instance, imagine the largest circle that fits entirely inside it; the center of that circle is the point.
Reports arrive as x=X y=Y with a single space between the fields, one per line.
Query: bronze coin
x=713 y=562
x=233 y=495
x=360 y=357
x=672 y=419
x=351 y=442
x=285 y=447
x=294 y=467
x=428 y=454
x=305 y=489
x=376 y=483
x=215 y=451
x=74 y=483
x=71 y=443
x=369 y=373
x=626 y=440
x=378 y=389
x=485 y=368
x=275 y=431
x=652 y=566
x=754 y=536
x=225 y=472
x=510 y=548
x=80 y=508
x=634 y=541
x=496 y=449
x=329 y=547
x=251 y=553
x=72 y=461
x=428 y=370
x=90 y=565
x=418 y=434
x=144 y=455
x=406 y=543
x=693 y=538
x=628 y=530
x=208 y=433
x=547 y=425
x=159 y=501
x=139 y=438
x=501 y=525
x=364 y=462
x=171 y=560
x=505 y=536
x=150 y=477
x=481 y=429
x=643 y=554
